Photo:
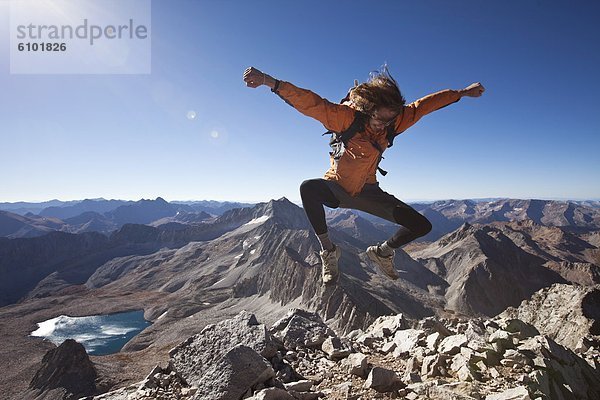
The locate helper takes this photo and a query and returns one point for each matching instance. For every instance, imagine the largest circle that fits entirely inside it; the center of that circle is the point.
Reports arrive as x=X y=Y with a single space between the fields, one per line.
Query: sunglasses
x=382 y=122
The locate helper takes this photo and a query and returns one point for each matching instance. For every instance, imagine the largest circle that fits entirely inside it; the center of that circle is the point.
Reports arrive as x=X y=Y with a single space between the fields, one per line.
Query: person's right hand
x=473 y=90
x=254 y=77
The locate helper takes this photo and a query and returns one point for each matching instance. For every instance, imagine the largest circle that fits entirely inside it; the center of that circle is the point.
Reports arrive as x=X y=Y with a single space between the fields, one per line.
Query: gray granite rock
x=383 y=380
x=299 y=386
x=335 y=349
x=300 y=328
x=192 y=358
x=386 y=325
x=67 y=367
x=452 y=344
x=356 y=364
x=406 y=340
x=272 y=394
x=240 y=369
x=434 y=365
x=518 y=393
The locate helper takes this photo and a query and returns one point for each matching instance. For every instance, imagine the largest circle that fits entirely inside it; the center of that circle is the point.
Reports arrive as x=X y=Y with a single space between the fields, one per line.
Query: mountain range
x=188 y=270
x=106 y=216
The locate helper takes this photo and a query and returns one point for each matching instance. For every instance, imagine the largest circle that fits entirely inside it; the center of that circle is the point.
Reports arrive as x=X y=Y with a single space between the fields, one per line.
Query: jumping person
x=364 y=125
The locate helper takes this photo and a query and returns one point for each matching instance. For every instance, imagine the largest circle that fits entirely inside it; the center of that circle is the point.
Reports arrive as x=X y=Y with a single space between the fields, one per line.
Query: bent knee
x=418 y=224
x=308 y=186
x=425 y=226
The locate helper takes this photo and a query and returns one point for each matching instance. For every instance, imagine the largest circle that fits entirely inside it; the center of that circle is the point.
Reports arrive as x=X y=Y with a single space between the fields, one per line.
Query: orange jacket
x=358 y=163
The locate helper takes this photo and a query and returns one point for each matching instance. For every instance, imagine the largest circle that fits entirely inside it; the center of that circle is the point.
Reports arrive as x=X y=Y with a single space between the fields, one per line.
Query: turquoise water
x=99 y=334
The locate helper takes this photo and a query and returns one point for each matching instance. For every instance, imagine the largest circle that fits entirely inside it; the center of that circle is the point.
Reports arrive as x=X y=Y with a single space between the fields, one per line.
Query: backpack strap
x=339 y=140
x=357 y=125
x=391 y=134
x=380 y=150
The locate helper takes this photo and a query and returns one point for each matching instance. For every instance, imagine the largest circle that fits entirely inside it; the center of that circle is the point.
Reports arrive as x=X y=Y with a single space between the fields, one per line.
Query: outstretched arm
x=418 y=109
x=333 y=116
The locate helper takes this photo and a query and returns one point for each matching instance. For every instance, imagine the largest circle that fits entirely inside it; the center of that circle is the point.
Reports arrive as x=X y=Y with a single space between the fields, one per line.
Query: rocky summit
x=301 y=358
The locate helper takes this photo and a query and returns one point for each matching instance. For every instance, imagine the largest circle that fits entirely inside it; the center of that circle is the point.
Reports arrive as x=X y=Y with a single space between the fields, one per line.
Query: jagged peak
x=480 y=233
x=282 y=211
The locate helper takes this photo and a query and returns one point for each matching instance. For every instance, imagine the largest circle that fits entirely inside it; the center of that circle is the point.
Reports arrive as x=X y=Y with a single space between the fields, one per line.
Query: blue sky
x=535 y=133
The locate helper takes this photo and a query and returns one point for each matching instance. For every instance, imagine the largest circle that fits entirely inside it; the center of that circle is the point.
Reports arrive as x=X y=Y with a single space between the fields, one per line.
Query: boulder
x=299 y=386
x=386 y=325
x=406 y=340
x=432 y=324
x=383 y=380
x=452 y=344
x=272 y=394
x=335 y=349
x=388 y=347
x=433 y=341
x=192 y=358
x=68 y=367
x=518 y=393
x=356 y=364
x=239 y=370
x=411 y=373
x=434 y=365
x=300 y=328
x=502 y=340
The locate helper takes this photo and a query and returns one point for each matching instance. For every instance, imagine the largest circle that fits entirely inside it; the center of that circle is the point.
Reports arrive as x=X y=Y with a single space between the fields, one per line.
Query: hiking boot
x=385 y=264
x=330 y=259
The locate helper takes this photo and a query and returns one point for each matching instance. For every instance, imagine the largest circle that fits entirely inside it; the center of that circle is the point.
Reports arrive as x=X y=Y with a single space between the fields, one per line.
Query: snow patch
x=219 y=281
x=258 y=220
x=252 y=251
x=162 y=315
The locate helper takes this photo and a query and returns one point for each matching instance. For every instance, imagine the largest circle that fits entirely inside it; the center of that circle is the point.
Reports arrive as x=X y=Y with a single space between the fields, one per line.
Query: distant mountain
x=23 y=207
x=145 y=211
x=448 y=215
x=154 y=212
x=90 y=221
x=214 y=207
x=29 y=225
x=491 y=267
x=358 y=226
x=99 y=206
x=182 y=218
x=108 y=215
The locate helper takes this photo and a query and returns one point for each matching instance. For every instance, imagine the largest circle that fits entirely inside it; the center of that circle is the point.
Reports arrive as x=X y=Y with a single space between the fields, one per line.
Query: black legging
x=316 y=193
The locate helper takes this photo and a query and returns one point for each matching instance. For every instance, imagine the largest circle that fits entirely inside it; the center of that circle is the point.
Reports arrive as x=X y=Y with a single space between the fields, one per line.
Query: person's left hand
x=473 y=90
x=254 y=77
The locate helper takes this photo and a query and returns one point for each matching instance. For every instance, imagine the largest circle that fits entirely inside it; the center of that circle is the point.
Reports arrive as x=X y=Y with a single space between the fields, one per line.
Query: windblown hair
x=381 y=90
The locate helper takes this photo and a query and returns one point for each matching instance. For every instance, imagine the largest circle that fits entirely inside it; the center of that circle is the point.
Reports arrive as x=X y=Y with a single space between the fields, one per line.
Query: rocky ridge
x=300 y=357
x=569 y=314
